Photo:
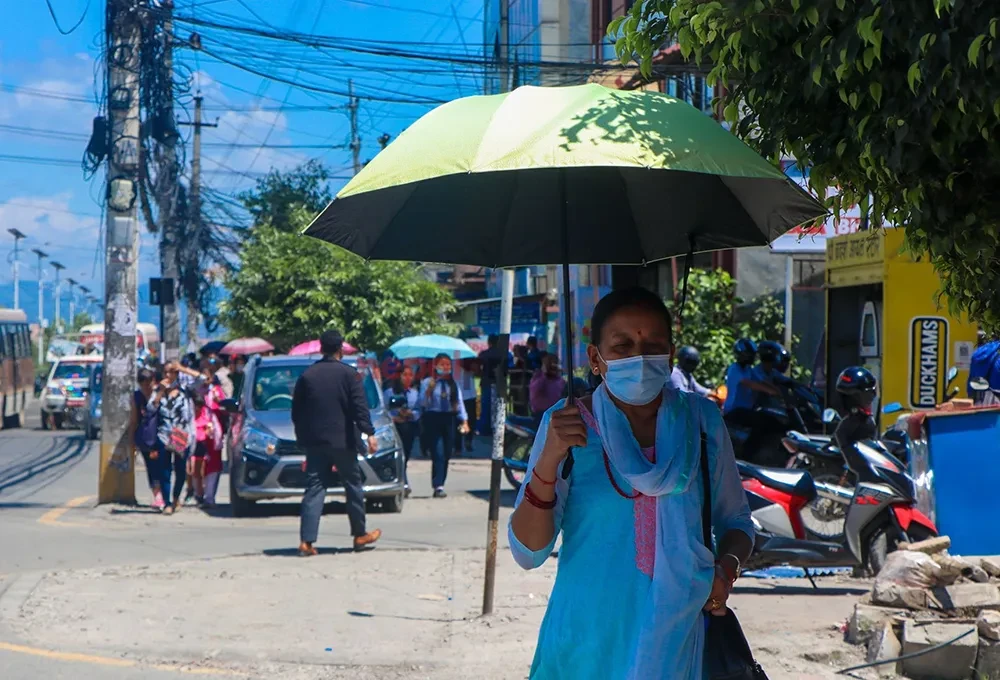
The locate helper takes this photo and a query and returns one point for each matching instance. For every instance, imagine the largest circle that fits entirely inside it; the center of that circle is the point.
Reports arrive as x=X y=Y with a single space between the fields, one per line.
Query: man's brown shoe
x=307 y=550
x=367 y=542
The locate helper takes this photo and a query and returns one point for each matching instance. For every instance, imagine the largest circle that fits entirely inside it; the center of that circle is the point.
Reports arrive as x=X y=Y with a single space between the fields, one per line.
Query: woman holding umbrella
x=631 y=519
x=442 y=405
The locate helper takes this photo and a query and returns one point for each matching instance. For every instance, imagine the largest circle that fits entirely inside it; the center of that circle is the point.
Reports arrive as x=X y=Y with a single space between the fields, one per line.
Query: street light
x=41 y=304
x=18 y=237
x=58 y=267
x=72 y=302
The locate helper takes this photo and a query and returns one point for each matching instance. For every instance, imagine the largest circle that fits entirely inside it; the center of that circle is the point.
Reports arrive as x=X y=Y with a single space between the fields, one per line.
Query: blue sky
x=60 y=211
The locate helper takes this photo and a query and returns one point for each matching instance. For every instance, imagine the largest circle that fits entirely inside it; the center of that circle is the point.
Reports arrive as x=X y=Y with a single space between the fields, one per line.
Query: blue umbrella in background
x=429 y=346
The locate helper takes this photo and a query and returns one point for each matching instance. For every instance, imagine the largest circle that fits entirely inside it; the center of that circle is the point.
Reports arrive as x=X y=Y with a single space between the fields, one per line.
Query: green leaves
x=977 y=44
x=913 y=76
x=804 y=74
x=875 y=89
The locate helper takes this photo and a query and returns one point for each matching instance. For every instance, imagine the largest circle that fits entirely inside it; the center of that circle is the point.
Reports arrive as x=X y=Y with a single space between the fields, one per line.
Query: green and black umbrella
x=562 y=175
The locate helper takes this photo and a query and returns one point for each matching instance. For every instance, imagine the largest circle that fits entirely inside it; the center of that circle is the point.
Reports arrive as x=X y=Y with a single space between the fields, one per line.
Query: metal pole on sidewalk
x=41 y=305
x=789 y=280
x=18 y=236
x=499 y=414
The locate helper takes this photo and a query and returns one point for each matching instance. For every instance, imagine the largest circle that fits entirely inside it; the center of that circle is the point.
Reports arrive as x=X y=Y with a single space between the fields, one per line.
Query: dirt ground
x=387 y=614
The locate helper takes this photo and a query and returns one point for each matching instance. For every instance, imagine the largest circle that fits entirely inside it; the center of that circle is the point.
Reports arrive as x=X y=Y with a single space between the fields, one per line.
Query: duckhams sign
x=928 y=360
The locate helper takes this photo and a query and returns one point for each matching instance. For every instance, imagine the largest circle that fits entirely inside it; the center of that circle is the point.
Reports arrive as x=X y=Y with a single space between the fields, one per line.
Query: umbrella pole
x=499 y=419
x=565 y=304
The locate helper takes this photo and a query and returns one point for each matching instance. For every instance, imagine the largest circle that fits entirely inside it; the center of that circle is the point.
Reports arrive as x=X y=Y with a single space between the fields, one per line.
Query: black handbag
x=727 y=652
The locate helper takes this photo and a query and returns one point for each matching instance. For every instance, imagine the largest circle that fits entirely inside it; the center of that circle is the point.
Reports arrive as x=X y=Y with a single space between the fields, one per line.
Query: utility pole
x=41 y=304
x=352 y=108
x=72 y=302
x=116 y=475
x=58 y=267
x=190 y=253
x=499 y=400
x=18 y=237
x=168 y=179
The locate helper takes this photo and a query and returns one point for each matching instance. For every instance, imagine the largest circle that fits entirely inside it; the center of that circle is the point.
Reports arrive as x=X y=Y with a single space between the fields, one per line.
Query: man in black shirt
x=328 y=410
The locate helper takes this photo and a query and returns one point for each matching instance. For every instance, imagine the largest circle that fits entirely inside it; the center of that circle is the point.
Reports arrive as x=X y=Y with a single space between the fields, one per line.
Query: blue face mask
x=441 y=371
x=637 y=380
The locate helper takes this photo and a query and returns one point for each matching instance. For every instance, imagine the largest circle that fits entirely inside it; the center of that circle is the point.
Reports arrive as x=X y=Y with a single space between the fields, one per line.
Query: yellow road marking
x=51 y=517
x=95 y=660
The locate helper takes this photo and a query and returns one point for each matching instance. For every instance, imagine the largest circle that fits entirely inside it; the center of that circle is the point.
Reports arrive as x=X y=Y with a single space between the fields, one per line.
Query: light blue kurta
x=597 y=605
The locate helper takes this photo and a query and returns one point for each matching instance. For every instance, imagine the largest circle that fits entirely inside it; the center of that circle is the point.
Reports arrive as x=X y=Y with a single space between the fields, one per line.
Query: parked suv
x=92 y=412
x=266 y=463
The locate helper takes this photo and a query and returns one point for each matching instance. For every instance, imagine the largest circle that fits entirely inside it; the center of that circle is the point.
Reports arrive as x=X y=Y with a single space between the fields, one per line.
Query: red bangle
x=535 y=475
x=534 y=500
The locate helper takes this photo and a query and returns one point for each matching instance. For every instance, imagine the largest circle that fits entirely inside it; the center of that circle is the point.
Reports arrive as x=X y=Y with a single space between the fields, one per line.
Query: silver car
x=266 y=463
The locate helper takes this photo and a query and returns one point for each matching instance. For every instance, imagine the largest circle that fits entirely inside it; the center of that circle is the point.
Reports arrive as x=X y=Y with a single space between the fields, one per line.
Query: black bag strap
x=706 y=506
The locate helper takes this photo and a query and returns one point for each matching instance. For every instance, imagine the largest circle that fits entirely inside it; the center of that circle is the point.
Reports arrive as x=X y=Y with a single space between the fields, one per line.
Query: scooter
x=983 y=394
x=880 y=514
x=796 y=409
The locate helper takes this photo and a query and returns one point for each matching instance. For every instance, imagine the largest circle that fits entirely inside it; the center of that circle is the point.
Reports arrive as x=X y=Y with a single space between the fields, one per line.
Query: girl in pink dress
x=208 y=448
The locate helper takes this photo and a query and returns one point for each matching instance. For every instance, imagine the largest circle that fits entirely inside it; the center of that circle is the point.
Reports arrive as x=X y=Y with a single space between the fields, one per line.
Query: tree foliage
x=290 y=288
x=710 y=323
x=891 y=102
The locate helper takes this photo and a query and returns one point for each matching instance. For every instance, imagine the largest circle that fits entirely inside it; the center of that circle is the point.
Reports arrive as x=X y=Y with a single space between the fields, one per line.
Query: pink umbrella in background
x=312 y=347
x=247 y=346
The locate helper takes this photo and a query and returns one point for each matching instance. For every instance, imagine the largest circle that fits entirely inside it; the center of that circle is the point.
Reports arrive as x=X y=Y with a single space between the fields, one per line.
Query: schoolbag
x=145 y=429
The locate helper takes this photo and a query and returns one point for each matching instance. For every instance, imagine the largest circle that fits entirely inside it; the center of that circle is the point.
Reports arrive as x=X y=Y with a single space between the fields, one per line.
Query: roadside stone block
x=868 y=620
x=953 y=662
x=988 y=660
x=967 y=596
x=882 y=646
x=988 y=624
x=895 y=595
x=991 y=565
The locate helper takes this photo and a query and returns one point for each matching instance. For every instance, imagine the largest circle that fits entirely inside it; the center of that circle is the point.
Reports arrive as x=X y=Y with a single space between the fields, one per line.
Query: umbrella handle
x=564 y=234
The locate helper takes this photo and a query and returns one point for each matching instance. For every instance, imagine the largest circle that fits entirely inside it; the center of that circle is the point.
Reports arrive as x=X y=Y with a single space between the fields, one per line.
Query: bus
x=17 y=370
x=147 y=337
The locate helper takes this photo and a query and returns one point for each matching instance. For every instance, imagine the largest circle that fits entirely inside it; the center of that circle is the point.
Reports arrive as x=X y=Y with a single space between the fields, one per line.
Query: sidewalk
x=386 y=614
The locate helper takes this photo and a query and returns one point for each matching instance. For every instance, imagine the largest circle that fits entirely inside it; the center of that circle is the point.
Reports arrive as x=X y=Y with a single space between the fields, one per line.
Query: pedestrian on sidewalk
x=144 y=425
x=328 y=409
x=547 y=386
x=208 y=437
x=174 y=434
x=489 y=360
x=443 y=407
x=406 y=418
x=630 y=512
x=466 y=379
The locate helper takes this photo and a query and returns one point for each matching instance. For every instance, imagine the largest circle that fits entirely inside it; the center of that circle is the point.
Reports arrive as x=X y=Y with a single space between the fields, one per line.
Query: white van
x=147 y=337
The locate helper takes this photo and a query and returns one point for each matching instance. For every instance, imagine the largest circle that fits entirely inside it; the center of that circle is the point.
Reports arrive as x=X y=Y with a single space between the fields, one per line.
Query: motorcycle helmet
x=688 y=358
x=857 y=387
x=745 y=350
x=770 y=352
x=784 y=361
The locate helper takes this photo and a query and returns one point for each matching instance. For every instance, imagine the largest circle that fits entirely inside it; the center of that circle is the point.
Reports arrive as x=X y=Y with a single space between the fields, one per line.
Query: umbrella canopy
x=312 y=347
x=213 y=347
x=247 y=346
x=572 y=175
x=429 y=346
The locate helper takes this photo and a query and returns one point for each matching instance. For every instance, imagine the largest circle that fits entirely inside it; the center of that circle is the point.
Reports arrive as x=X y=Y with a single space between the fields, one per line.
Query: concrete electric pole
x=117 y=478
x=168 y=180
x=41 y=305
x=18 y=237
x=190 y=252
x=57 y=295
x=352 y=109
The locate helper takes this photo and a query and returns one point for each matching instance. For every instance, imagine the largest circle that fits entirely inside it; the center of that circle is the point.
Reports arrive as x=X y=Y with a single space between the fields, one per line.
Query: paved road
x=48 y=521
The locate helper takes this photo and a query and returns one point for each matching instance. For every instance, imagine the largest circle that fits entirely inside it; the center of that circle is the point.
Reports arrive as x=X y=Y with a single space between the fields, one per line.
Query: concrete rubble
x=939 y=612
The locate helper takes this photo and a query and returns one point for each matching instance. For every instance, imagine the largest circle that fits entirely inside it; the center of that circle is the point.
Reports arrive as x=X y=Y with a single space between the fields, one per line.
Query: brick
x=882 y=646
x=868 y=620
x=988 y=660
x=952 y=662
x=967 y=596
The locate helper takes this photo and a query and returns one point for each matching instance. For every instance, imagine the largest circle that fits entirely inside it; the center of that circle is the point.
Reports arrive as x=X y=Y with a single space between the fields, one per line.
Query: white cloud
x=50 y=219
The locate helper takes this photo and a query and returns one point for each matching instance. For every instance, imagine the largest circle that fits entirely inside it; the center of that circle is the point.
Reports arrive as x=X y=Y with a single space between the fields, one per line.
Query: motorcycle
x=796 y=409
x=519 y=435
x=880 y=513
x=983 y=394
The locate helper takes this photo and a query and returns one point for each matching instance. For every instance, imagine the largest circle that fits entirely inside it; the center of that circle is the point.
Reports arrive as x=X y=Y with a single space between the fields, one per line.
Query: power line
x=55 y=19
